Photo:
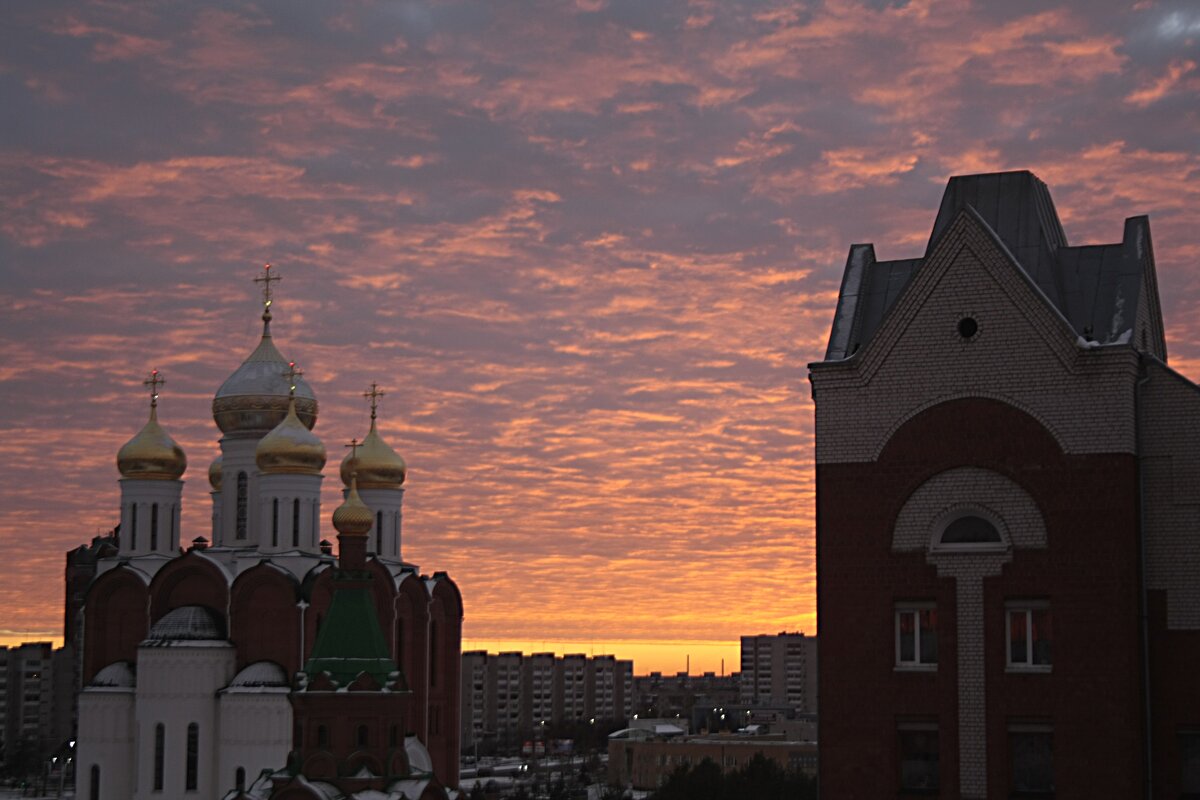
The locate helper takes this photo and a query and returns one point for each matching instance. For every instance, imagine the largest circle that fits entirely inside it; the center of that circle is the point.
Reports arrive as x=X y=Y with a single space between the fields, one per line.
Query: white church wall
x=256 y=733
x=155 y=532
x=177 y=687
x=237 y=457
x=105 y=741
x=385 y=504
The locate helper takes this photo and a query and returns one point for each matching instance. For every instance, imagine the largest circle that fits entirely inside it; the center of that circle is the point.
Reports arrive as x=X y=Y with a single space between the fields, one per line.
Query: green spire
x=350 y=641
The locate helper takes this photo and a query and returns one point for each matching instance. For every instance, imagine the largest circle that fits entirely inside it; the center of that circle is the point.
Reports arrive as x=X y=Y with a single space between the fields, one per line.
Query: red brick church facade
x=1008 y=516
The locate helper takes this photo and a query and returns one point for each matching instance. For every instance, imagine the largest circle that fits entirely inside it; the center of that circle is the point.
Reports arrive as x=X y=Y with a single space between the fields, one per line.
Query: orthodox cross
x=374 y=396
x=266 y=280
x=154 y=381
x=354 y=445
x=291 y=374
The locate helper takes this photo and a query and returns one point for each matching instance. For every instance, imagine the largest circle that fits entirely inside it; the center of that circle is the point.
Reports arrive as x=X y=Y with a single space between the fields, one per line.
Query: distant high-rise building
x=507 y=698
x=780 y=670
x=35 y=702
x=1008 y=499
x=540 y=687
x=571 y=688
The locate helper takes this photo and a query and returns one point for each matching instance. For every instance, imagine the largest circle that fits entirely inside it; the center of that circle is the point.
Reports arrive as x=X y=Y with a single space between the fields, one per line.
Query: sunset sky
x=587 y=249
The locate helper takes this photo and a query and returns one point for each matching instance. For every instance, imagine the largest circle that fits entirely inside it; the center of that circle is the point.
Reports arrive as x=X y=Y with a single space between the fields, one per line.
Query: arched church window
x=275 y=522
x=316 y=515
x=94 y=792
x=154 y=526
x=970 y=530
x=296 y=522
x=239 y=778
x=240 y=529
x=322 y=736
x=193 y=757
x=379 y=533
x=400 y=641
x=133 y=526
x=174 y=536
x=396 y=530
x=363 y=737
x=393 y=736
x=160 y=743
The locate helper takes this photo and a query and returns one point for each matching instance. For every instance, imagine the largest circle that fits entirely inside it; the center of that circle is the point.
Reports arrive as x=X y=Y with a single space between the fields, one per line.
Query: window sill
x=915 y=668
x=1029 y=669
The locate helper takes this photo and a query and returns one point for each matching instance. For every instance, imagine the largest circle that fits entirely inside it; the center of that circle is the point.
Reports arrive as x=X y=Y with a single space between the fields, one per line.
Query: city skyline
x=587 y=251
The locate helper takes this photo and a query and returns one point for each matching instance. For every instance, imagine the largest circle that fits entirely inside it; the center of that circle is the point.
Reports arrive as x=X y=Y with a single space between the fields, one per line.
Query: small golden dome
x=214 y=474
x=352 y=517
x=151 y=454
x=290 y=448
x=378 y=465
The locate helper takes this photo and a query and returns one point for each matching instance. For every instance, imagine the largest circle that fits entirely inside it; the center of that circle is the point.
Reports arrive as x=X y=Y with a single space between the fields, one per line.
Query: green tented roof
x=350 y=641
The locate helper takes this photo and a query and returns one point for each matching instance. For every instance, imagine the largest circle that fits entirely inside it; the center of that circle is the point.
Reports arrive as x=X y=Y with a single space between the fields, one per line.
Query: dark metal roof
x=1095 y=287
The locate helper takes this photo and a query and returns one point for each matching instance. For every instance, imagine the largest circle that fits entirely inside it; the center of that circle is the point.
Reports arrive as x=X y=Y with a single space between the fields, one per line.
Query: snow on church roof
x=260 y=674
x=118 y=675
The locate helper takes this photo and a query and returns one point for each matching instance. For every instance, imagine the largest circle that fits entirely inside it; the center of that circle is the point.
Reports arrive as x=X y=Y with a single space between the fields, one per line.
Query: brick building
x=1008 y=494
x=641 y=760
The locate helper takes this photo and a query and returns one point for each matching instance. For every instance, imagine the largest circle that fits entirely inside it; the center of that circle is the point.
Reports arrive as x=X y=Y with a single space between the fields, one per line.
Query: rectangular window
x=1189 y=759
x=919 y=768
x=916 y=635
x=1031 y=758
x=1029 y=635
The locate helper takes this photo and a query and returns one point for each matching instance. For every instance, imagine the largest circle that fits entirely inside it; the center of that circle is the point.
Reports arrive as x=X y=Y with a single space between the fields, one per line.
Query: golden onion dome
x=290 y=448
x=254 y=399
x=214 y=473
x=378 y=465
x=352 y=517
x=152 y=454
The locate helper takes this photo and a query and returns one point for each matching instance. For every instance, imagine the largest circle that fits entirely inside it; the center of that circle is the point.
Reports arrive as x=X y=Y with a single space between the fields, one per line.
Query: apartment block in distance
x=780 y=670
x=507 y=696
x=1008 y=508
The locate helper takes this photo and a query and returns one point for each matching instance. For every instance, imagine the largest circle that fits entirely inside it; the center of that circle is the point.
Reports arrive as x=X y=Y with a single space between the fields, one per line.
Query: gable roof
x=1095 y=288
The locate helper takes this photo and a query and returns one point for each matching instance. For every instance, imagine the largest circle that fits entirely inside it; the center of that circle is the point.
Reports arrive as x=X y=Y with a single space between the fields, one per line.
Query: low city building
x=641 y=759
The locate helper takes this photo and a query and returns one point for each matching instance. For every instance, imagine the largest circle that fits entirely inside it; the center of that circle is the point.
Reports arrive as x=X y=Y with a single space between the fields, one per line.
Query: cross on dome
x=266 y=279
x=373 y=395
x=291 y=373
x=154 y=381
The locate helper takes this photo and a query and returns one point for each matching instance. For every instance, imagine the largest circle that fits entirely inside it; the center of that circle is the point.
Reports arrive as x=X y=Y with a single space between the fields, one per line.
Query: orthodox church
x=257 y=664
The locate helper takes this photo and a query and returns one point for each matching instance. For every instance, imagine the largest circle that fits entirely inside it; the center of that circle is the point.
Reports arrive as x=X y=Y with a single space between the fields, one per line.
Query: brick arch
x=947 y=406
x=445 y=656
x=321 y=764
x=264 y=619
x=1021 y=522
x=318 y=591
x=190 y=580
x=359 y=759
x=115 y=619
x=411 y=622
x=383 y=590
x=397 y=762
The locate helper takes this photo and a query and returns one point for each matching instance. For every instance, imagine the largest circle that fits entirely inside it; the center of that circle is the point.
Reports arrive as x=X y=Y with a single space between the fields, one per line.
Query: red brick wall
x=1089 y=574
